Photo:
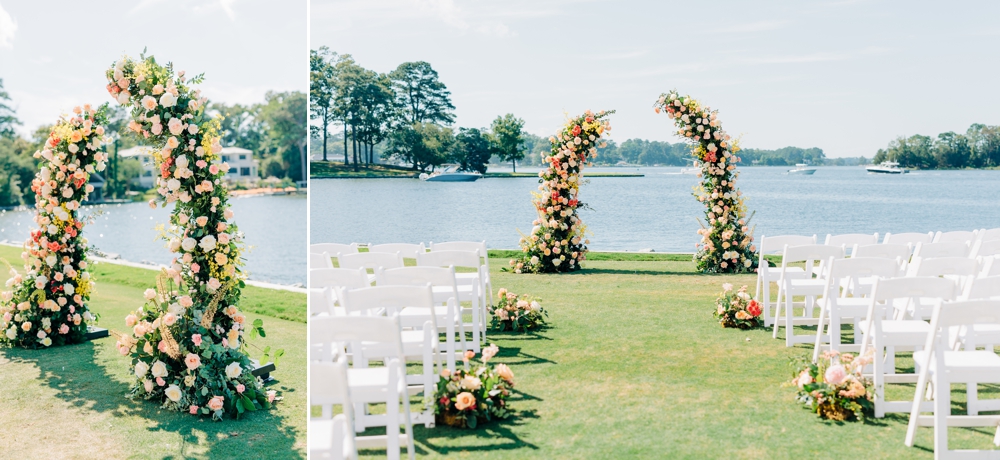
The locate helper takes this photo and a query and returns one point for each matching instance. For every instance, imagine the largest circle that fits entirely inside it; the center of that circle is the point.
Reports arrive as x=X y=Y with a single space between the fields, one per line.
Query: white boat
x=450 y=174
x=695 y=169
x=886 y=167
x=802 y=169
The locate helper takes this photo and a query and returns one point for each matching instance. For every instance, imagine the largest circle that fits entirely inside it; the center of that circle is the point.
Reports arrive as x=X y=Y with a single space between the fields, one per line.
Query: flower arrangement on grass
x=833 y=390
x=188 y=343
x=737 y=309
x=726 y=245
x=516 y=313
x=48 y=305
x=469 y=397
x=557 y=242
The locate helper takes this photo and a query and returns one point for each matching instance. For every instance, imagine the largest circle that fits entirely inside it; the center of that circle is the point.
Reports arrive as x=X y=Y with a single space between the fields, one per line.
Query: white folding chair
x=849 y=240
x=334 y=278
x=908 y=238
x=944 y=249
x=807 y=286
x=319 y=260
x=467 y=260
x=940 y=365
x=419 y=335
x=991 y=266
x=980 y=335
x=381 y=337
x=887 y=336
x=960 y=236
x=407 y=250
x=985 y=248
x=487 y=283
x=958 y=269
x=989 y=235
x=766 y=274
x=331 y=437
x=333 y=248
x=320 y=301
x=446 y=295
x=370 y=261
x=837 y=306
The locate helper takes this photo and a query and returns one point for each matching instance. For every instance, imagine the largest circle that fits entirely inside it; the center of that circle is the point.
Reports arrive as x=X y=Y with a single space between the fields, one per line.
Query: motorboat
x=886 y=167
x=802 y=169
x=450 y=174
x=694 y=170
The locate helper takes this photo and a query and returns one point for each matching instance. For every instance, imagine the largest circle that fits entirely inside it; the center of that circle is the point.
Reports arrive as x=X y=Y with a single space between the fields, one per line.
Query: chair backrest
x=849 y=240
x=466 y=246
x=320 y=260
x=320 y=301
x=883 y=251
x=959 y=236
x=863 y=267
x=989 y=235
x=343 y=329
x=776 y=244
x=982 y=288
x=391 y=298
x=334 y=248
x=814 y=256
x=450 y=258
x=943 y=266
x=905 y=294
x=985 y=248
x=328 y=384
x=944 y=249
x=961 y=313
x=908 y=238
x=991 y=266
x=370 y=260
x=351 y=278
x=407 y=250
x=418 y=276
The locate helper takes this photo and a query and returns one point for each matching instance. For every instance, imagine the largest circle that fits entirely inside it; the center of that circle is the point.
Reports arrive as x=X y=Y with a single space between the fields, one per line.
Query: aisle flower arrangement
x=48 y=305
x=557 y=242
x=726 y=244
x=833 y=390
x=471 y=396
x=737 y=309
x=516 y=313
x=188 y=343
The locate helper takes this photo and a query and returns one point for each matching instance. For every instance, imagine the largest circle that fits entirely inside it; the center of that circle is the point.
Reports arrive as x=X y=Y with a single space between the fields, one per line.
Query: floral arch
x=557 y=242
x=187 y=343
x=48 y=305
x=726 y=244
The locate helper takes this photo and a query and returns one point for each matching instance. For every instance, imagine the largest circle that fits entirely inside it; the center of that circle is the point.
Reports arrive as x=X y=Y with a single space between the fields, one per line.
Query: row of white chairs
x=889 y=292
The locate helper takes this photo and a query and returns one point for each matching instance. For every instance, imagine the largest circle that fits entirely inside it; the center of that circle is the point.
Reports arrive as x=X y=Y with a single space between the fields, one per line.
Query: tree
x=17 y=169
x=8 y=118
x=283 y=118
x=377 y=112
x=472 y=150
x=424 y=145
x=422 y=97
x=322 y=92
x=241 y=125
x=508 y=138
x=952 y=150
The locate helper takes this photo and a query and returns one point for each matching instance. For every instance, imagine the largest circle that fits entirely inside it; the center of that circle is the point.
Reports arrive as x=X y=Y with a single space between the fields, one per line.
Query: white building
x=242 y=166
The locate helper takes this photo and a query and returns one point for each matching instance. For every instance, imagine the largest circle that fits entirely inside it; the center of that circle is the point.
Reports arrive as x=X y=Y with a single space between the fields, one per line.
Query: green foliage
x=17 y=169
x=8 y=118
x=283 y=119
x=508 y=138
x=424 y=145
x=472 y=150
x=979 y=147
x=421 y=96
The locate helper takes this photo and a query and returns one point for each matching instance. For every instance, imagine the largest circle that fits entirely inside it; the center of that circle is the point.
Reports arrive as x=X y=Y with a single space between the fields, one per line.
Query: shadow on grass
x=499 y=432
x=530 y=335
x=77 y=376
x=525 y=358
x=616 y=271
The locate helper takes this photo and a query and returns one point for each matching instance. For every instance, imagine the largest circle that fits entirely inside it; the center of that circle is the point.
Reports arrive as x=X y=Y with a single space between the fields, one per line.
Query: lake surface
x=656 y=211
x=274 y=226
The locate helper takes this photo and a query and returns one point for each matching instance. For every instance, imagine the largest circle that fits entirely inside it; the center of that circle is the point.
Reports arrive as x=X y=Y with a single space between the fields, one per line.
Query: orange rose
x=505 y=373
x=465 y=400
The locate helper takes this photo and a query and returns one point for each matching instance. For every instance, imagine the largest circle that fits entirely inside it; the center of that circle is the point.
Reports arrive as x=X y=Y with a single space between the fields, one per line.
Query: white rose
x=141 y=368
x=233 y=370
x=168 y=100
x=173 y=393
x=69 y=289
x=175 y=244
x=160 y=369
x=173 y=184
x=207 y=243
x=182 y=161
x=150 y=294
x=12 y=333
x=188 y=244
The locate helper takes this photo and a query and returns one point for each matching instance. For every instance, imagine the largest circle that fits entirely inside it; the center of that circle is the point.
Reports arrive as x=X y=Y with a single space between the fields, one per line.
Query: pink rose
x=835 y=374
x=215 y=403
x=64 y=329
x=271 y=394
x=160 y=381
x=240 y=388
x=185 y=301
x=195 y=268
x=162 y=346
x=192 y=361
x=214 y=169
x=196 y=339
x=193 y=410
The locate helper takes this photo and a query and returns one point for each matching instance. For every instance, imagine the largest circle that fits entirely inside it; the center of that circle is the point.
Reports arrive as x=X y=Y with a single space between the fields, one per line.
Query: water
x=274 y=226
x=656 y=211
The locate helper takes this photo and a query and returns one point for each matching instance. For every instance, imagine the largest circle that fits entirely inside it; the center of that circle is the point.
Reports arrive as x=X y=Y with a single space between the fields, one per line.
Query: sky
x=53 y=54
x=844 y=76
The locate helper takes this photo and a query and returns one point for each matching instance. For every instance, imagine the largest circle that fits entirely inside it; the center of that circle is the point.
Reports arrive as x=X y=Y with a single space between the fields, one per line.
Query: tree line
x=274 y=130
x=979 y=147
x=404 y=115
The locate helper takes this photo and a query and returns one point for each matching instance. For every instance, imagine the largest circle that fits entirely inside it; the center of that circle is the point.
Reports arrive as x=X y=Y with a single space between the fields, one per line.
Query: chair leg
x=476 y=325
x=972 y=397
x=392 y=424
x=789 y=329
x=942 y=409
x=819 y=332
x=777 y=313
x=879 y=381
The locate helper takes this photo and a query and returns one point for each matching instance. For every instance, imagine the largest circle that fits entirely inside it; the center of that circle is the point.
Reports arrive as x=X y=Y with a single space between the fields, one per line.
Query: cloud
x=227 y=6
x=804 y=58
x=758 y=26
x=7 y=29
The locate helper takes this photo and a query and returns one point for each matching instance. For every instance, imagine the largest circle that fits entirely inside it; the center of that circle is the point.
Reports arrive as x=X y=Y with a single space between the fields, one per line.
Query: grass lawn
x=70 y=402
x=331 y=169
x=635 y=366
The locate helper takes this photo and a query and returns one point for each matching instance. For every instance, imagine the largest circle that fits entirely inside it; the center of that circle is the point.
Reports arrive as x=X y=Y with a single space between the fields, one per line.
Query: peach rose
x=505 y=373
x=465 y=400
x=192 y=361
x=215 y=403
